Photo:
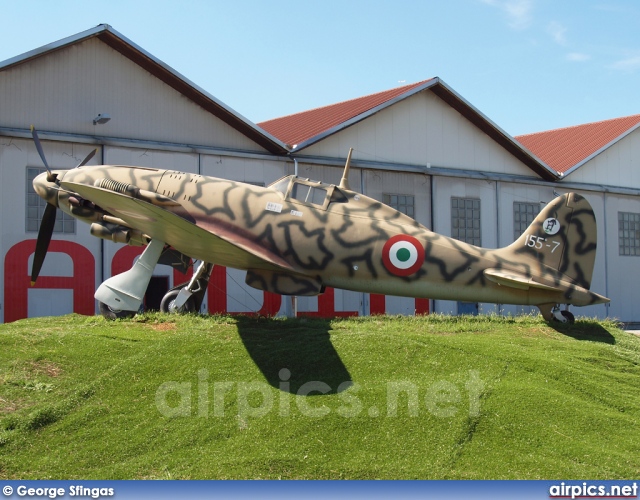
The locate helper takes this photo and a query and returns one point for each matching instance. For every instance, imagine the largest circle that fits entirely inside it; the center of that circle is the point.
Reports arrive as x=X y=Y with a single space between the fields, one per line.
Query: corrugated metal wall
x=66 y=89
x=618 y=165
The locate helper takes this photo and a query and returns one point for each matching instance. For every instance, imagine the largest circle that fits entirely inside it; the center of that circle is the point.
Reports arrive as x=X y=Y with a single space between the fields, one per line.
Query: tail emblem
x=551 y=226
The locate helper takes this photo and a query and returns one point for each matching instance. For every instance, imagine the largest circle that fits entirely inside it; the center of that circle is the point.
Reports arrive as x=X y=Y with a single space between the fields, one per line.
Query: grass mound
x=375 y=397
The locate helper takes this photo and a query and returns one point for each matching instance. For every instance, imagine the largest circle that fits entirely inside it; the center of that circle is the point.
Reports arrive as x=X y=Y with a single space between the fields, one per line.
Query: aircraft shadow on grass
x=300 y=360
x=584 y=331
x=303 y=360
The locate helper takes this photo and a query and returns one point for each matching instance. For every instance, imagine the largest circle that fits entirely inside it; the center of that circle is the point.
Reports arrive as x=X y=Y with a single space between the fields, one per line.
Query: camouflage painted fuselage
x=298 y=236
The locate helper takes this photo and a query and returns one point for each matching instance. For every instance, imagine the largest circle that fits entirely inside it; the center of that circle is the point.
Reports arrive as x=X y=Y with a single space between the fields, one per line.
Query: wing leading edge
x=225 y=248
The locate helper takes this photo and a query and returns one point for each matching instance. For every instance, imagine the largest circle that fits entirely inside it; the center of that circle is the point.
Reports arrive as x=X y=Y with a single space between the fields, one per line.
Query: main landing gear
x=188 y=297
x=121 y=296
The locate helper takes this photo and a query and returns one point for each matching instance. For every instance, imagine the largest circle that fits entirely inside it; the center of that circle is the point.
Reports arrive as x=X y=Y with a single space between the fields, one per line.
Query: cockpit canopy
x=309 y=192
x=336 y=199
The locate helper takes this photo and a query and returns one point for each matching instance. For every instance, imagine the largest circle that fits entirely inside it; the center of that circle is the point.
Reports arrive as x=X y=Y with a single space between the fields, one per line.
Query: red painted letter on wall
x=327 y=306
x=217 y=296
x=377 y=305
x=17 y=280
x=422 y=306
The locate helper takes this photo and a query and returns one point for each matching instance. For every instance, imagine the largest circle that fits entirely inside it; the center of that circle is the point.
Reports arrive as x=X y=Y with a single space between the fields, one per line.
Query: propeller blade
x=44 y=238
x=36 y=140
x=87 y=158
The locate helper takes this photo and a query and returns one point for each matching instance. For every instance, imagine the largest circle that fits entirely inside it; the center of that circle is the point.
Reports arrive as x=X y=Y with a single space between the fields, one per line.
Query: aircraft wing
x=516 y=280
x=185 y=236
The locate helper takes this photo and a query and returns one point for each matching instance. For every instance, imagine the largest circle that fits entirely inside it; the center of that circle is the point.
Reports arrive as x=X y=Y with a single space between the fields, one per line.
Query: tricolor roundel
x=402 y=255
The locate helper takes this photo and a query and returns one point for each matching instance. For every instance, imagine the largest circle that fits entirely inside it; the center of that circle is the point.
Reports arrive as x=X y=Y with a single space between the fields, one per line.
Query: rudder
x=562 y=237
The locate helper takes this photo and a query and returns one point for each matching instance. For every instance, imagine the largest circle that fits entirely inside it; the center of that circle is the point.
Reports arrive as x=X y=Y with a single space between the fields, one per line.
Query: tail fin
x=562 y=237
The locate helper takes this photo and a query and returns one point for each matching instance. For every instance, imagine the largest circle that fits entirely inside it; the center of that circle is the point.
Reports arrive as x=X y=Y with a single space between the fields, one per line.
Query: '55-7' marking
x=538 y=242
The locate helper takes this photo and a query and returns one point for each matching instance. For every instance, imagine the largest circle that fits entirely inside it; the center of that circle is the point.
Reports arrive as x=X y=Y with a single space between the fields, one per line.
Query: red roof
x=299 y=127
x=565 y=148
x=306 y=128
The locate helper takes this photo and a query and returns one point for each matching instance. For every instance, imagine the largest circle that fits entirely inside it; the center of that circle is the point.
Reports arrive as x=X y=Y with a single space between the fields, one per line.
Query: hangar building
x=421 y=148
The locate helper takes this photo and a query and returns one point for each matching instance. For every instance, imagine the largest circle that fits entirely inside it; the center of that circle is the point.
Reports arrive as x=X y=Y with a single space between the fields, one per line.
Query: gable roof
x=163 y=72
x=566 y=149
x=301 y=127
x=308 y=127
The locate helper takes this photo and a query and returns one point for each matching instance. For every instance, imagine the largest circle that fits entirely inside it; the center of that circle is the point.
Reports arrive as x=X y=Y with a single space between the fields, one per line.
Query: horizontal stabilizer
x=516 y=280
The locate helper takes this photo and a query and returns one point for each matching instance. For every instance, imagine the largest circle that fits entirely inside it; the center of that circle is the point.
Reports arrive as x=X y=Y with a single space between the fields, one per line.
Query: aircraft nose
x=46 y=189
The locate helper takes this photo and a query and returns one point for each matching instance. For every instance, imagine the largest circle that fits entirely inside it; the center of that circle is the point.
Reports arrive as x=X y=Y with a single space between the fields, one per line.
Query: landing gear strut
x=188 y=297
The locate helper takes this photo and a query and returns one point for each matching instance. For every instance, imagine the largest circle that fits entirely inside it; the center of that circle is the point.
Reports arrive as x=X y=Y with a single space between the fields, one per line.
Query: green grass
x=204 y=397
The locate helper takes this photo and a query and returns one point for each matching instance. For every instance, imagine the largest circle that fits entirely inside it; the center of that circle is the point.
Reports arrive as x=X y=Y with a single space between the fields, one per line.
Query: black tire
x=169 y=297
x=111 y=314
x=571 y=319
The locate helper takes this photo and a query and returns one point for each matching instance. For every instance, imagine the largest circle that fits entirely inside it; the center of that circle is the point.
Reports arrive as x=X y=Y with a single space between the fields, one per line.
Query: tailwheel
x=113 y=314
x=552 y=313
x=565 y=316
x=168 y=304
x=570 y=318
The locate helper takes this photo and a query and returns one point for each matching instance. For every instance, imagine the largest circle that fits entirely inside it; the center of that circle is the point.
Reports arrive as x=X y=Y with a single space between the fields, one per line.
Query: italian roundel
x=402 y=255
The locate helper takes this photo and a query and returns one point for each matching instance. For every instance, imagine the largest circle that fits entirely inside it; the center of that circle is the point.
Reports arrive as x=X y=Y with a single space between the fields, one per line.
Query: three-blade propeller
x=36 y=140
x=44 y=238
x=49 y=218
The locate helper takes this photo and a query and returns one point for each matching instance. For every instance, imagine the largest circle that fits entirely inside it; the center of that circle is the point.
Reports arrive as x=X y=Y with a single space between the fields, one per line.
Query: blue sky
x=528 y=65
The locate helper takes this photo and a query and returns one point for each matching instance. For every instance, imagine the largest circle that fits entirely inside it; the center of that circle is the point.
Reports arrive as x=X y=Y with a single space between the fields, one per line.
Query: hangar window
x=629 y=233
x=465 y=220
x=401 y=202
x=523 y=216
x=36 y=205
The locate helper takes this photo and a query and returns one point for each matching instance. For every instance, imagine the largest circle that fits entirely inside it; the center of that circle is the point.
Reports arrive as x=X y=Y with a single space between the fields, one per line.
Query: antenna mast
x=344 y=182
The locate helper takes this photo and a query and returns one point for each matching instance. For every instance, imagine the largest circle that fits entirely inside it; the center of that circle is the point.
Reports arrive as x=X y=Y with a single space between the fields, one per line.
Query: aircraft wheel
x=112 y=314
x=571 y=319
x=168 y=304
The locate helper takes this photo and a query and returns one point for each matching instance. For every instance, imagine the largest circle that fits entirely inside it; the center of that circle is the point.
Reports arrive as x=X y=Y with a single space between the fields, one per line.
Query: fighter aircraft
x=298 y=236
